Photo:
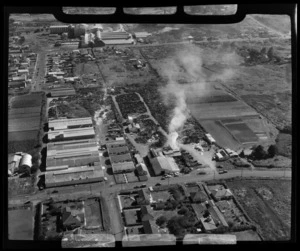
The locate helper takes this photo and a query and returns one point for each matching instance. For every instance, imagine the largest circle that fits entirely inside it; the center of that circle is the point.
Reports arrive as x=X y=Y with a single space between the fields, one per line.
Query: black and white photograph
x=152 y=131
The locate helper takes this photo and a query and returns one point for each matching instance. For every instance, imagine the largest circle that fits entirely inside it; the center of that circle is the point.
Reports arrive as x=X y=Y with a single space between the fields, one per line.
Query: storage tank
x=80 y=30
x=26 y=160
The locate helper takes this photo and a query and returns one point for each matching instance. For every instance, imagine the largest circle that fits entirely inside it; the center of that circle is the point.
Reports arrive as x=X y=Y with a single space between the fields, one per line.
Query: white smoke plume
x=187 y=64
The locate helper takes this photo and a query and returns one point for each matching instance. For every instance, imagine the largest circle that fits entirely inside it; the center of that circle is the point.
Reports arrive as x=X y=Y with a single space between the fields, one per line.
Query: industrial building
x=58 y=29
x=74 y=175
x=19 y=163
x=70 y=134
x=62 y=91
x=60 y=124
x=72 y=153
x=120 y=157
x=162 y=164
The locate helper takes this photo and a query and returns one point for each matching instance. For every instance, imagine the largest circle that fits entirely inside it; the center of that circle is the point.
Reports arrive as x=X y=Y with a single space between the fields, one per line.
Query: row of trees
x=259 y=152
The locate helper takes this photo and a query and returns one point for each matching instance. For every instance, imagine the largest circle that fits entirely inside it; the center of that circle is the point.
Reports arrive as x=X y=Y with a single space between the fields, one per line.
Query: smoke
x=186 y=65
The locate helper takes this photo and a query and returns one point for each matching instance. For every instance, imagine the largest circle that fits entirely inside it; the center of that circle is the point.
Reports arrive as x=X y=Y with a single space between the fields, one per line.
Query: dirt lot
x=20 y=186
x=268 y=204
x=93 y=214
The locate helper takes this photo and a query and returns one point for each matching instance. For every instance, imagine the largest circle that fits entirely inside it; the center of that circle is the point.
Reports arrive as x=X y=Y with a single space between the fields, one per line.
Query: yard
x=268 y=204
x=93 y=213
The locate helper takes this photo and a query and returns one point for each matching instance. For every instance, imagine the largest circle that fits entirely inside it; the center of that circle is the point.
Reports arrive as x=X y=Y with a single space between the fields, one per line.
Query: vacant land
x=284 y=144
x=268 y=204
x=21 y=186
x=20 y=225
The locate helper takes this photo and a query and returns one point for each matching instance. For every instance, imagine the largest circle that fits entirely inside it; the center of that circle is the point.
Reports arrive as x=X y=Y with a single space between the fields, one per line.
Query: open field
x=26 y=101
x=20 y=225
x=220 y=110
x=20 y=186
x=24 y=124
x=268 y=204
x=248 y=235
x=284 y=144
x=242 y=132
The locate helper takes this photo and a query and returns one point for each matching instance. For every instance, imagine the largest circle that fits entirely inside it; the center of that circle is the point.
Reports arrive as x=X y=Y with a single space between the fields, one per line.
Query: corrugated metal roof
x=120 y=158
x=119 y=167
x=72 y=132
x=65 y=123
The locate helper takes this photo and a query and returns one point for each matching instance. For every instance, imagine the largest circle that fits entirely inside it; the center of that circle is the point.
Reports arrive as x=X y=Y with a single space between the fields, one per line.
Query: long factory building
x=72 y=154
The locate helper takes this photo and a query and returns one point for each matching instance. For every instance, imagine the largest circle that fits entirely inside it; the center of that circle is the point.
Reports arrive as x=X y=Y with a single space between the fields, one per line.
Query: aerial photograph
x=149 y=134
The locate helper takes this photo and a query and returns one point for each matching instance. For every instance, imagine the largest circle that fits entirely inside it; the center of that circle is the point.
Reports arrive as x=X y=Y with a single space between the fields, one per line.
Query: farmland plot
x=27 y=101
x=268 y=204
x=242 y=133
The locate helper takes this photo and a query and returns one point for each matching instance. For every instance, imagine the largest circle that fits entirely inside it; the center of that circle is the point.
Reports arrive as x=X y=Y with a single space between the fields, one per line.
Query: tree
x=270 y=53
x=259 y=152
x=263 y=50
x=242 y=154
x=161 y=220
x=183 y=210
x=272 y=151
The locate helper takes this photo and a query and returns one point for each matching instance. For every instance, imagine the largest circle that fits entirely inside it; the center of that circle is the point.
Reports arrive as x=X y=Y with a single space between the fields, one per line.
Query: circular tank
x=26 y=160
x=80 y=30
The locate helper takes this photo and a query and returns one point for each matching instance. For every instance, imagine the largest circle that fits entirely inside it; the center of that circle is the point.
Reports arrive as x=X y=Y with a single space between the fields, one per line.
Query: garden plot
x=27 y=101
x=242 y=133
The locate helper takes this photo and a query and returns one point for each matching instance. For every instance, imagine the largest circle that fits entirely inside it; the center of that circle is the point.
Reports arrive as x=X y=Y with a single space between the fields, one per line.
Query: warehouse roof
x=80 y=151
x=120 y=158
x=71 y=144
x=73 y=174
x=66 y=123
x=67 y=133
x=120 y=167
x=73 y=160
x=164 y=163
x=118 y=41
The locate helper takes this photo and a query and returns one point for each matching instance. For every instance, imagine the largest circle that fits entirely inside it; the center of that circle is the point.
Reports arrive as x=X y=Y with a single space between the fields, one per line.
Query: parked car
x=157 y=184
x=219 y=166
x=55 y=191
x=202 y=173
x=136 y=187
x=163 y=178
x=223 y=171
x=142 y=186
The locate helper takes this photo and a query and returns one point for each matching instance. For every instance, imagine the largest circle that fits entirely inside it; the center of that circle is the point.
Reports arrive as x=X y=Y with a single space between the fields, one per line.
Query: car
x=201 y=173
x=219 y=166
x=157 y=184
x=163 y=178
x=105 y=178
x=136 y=187
x=142 y=186
x=223 y=171
x=55 y=191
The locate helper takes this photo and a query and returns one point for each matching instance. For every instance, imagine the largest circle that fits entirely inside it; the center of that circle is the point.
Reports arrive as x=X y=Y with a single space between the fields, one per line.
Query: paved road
x=39 y=72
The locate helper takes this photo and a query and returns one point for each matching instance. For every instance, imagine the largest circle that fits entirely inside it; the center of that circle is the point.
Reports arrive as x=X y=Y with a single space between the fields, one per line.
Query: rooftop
x=68 y=133
x=66 y=123
x=120 y=158
x=73 y=174
x=120 y=167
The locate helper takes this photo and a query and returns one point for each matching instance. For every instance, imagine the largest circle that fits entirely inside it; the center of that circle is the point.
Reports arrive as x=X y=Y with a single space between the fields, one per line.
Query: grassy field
x=284 y=144
x=20 y=225
x=26 y=101
x=268 y=204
